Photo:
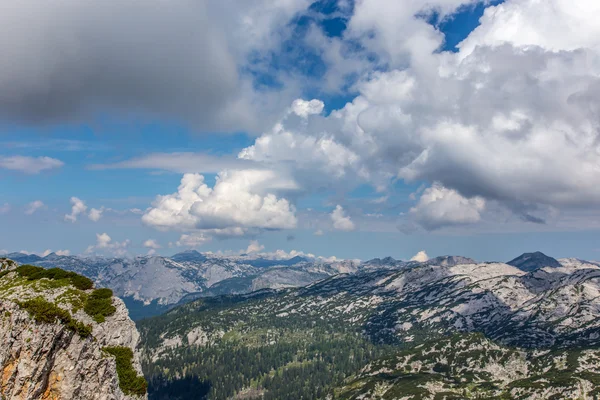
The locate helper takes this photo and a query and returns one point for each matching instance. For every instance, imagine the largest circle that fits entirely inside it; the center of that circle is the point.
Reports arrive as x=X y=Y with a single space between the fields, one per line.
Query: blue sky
x=409 y=164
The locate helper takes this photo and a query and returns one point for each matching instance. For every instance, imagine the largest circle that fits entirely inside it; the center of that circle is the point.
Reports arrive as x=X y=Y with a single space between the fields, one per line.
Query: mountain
x=153 y=284
x=531 y=261
x=63 y=339
x=23 y=258
x=450 y=261
x=472 y=366
x=478 y=330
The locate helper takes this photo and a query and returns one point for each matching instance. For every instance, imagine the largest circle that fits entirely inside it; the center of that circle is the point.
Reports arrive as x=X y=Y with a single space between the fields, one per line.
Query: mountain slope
x=379 y=312
x=63 y=340
x=471 y=366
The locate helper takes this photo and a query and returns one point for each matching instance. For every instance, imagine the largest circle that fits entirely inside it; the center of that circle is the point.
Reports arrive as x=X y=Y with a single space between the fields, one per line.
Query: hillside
x=63 y=339
x=472 y=366
x=322 y=339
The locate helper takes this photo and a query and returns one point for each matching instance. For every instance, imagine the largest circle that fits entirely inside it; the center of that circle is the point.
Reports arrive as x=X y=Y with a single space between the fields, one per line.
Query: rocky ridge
x=52 y=349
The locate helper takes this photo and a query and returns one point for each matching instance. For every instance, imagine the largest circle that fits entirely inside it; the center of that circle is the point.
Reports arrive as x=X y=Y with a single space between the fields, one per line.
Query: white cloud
x=421 y=256
x=318 y=232
x=254 y=247
x=29 y=165
x=152 y=244
x=512 y=118
x=303 y=108
x=340 y=220
x=105 y=244
x=380 y=200
x=240 y=200
x=549 y=24
x=57 y=252
x=179 y=162
x=439 y=207
x=77 y=207
x=95 y=214
x=193 y=240
x=34 y=206
x=5 y=208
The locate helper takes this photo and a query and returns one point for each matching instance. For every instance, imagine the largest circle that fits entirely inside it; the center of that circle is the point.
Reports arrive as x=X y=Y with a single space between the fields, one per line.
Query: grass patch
x=99 y=305
x=31 y=272
x=129 y=381
x=45 y=312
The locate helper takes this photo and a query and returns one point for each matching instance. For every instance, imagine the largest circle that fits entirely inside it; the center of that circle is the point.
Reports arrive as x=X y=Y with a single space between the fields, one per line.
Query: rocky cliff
x=63 y=339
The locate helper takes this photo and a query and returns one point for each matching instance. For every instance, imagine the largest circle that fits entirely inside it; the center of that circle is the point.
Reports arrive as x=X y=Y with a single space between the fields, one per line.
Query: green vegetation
x=251 y=355
x=45 y=312
x=32 y=272
x=99 y=305
x=129 y=381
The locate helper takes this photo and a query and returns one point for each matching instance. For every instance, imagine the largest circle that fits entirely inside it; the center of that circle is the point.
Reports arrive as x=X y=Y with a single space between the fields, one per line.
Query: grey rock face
x=49 y=361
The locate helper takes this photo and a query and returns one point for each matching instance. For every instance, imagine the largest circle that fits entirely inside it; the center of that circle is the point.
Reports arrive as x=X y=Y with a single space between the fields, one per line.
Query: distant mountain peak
x=382 y=261
x=188 y=255
x=531 y=261
x=450 y=261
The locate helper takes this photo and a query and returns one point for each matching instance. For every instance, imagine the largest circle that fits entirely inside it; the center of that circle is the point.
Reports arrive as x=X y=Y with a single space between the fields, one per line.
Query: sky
x=346 y=128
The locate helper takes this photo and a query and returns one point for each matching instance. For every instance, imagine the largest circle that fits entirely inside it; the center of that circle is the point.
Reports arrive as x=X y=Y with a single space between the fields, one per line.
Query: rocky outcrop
x=50 y=360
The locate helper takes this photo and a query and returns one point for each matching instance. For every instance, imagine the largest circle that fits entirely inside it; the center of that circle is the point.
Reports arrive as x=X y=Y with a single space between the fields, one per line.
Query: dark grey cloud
x=70 y=60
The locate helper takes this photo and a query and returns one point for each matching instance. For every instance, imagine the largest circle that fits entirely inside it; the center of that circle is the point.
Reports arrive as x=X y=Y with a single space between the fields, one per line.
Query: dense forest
x=256 y=357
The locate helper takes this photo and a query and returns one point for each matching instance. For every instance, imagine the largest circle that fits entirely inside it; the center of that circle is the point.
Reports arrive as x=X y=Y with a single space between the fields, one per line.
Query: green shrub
x=104 y=293
x=31 y=272
x=129 y=381
x=82 y=329
x=27 y=270
x=99 y=305
x=45 y=312
x=81 y=282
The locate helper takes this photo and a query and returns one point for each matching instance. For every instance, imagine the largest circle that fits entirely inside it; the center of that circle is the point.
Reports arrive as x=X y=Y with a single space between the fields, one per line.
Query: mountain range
x=441 y=329
x=150 y=285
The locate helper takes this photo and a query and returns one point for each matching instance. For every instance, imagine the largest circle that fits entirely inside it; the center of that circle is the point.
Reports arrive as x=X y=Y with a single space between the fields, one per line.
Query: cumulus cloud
x=240 y=201
x=319 y=232
x=304 y=108
x=105 y=244
x=69 y=60
x=77 y=207
x=421 y=256
x=193 y=240
x=254 y=247
x=512 y=118
x=29 y=165
x=439 y=206
x=95 y=214
x=152 y=244
x=5 y=208
x=34 y=206
x=340 y=220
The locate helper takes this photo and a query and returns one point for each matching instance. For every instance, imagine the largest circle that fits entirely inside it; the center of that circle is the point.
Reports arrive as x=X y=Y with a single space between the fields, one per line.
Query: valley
x=438 y=329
